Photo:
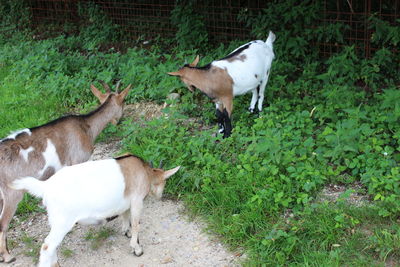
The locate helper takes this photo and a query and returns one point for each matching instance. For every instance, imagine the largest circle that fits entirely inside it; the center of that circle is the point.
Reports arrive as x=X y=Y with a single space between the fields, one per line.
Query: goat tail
x=30 y=184
x=271 y=38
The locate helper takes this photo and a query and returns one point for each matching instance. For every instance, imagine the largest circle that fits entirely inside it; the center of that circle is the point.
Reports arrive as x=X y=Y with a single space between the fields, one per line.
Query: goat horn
x=108 y=89
x=161 y=164
x=117 y=86
x=151 y=164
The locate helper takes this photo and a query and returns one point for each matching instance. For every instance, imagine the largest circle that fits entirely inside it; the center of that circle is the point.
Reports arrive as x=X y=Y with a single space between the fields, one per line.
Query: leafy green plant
x=13 y=14
x=99 y=28
x=191 y=31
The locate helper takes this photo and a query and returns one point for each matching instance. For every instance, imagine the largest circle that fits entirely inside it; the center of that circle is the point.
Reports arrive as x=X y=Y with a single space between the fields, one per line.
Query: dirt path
x=167 y=236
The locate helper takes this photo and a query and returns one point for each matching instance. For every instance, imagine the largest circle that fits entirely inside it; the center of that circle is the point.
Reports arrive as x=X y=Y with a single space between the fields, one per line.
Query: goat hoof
x=128 y=234
x=251 y=110
x=8 y=258
x=139 y=253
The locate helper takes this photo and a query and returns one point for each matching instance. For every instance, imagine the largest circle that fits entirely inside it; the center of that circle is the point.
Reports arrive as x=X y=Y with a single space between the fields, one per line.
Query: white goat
x=93 y=191
x=246 y=69
x=41 y=151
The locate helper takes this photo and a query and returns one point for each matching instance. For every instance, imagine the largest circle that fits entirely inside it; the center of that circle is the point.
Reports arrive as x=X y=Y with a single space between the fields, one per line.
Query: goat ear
x=175 y=73
x=123 y=94
x=195 y=61
x=171 y=172
x=102 y=97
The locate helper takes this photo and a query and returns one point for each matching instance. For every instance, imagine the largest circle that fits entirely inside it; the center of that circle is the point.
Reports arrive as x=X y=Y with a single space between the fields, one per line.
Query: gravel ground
x=167 y=235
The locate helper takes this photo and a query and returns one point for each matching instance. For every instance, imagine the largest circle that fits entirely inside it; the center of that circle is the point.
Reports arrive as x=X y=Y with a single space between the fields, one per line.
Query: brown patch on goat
x=135 y=174
x=47 y=173
x=9 y=150
x=216 y=83
x=45 y=246
x=239 y=58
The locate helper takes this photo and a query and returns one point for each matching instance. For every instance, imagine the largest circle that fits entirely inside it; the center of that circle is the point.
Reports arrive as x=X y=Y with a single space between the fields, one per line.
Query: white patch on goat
x=51 y=158
x=252 y=71
x=25 y=152
x=87 y=192
x=13 y=135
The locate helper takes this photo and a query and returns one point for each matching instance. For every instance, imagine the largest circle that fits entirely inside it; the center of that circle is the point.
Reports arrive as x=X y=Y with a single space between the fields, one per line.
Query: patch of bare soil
x=332 y=192
x=143 y=110
x=167 y=235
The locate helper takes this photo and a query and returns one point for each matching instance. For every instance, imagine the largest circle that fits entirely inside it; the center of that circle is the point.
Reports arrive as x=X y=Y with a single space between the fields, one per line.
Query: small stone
x=167 y=260
x=173 y=96
x=196 y=248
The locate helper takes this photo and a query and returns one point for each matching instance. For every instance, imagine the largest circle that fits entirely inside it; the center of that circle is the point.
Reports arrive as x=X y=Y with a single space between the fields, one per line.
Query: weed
x=67 y=253
x=32 y=247
x=98 y=238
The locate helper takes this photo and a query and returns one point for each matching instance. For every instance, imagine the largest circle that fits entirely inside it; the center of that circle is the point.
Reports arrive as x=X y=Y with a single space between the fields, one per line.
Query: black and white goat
x=245 y=69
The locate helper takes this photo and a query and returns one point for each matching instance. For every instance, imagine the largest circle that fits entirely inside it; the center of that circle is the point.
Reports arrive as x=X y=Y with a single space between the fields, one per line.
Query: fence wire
x=151 y=18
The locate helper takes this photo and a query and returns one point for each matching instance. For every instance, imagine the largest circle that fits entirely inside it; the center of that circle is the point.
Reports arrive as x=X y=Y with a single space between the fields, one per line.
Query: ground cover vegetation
x=325 y=121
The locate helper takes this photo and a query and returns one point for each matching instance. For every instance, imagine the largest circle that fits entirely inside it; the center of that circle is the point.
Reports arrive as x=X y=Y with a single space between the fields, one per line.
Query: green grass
x=98 y=237
x=32 y=247
x=23 y=105
x=67 y=253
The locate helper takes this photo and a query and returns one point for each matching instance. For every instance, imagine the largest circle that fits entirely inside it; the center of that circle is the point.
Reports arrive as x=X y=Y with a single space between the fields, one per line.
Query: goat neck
x=98 y=119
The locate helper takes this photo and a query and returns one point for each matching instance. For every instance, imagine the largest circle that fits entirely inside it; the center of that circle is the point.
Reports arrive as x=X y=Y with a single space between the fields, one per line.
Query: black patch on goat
x=128 y=156
x=227 y=124
x=6 y=140
x=220 y=116
x=109 y=219
x=205 y=67
x=53 y=122
x=237 y=52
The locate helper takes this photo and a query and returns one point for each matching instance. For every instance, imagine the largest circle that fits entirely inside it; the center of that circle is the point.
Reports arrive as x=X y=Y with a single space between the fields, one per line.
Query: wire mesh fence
x=355 y=14
x=150 y=18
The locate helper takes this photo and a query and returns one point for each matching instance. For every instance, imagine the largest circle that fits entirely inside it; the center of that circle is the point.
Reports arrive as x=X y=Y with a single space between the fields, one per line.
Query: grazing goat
x=41 y=151
x=93 y=191
x=245 y=69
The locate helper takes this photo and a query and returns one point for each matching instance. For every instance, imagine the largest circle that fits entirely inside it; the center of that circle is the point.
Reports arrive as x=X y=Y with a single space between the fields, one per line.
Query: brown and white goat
x=91 y=192
x=41 y=151
x=246 y=69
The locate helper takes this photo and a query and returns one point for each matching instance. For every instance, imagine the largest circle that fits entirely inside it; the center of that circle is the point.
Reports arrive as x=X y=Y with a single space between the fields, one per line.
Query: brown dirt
x=332 y=192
